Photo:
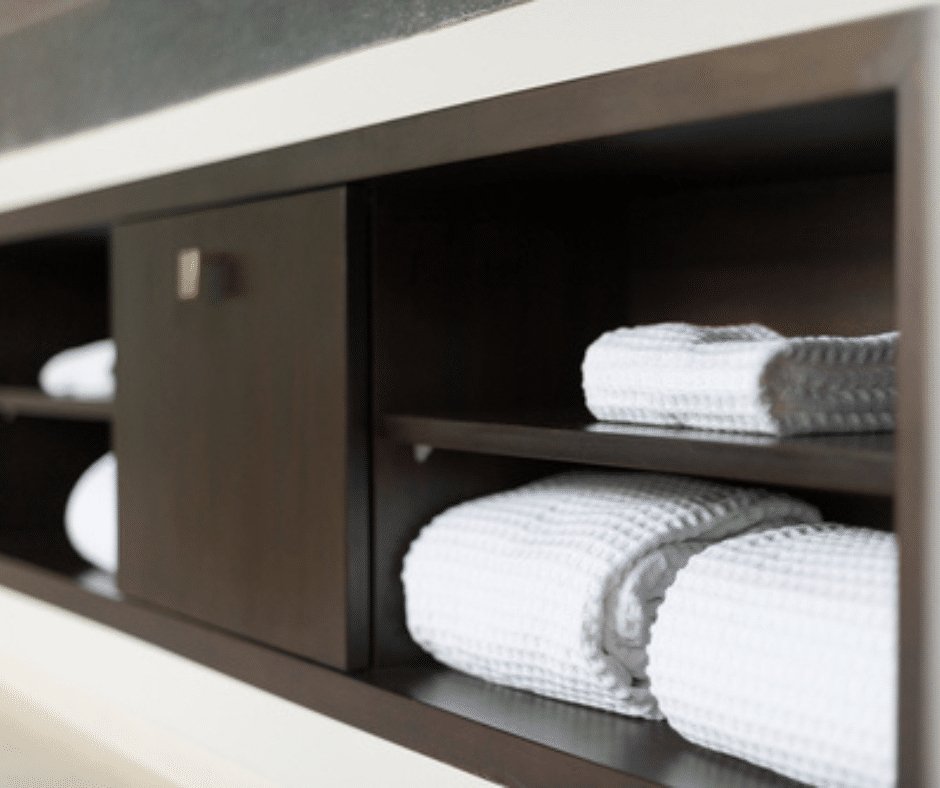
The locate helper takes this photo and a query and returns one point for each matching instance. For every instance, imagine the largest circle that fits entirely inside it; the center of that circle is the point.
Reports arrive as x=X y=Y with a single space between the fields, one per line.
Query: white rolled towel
x=85 y=372
x=780 y=647
x=744 y=378
x=91 y=516
x=552 y=587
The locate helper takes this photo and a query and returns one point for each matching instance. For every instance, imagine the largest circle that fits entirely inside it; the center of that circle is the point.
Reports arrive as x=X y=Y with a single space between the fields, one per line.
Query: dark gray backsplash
x=112 y=59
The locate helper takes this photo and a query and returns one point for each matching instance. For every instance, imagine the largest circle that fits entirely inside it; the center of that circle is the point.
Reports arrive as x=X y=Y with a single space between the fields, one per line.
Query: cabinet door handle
x=202 y=275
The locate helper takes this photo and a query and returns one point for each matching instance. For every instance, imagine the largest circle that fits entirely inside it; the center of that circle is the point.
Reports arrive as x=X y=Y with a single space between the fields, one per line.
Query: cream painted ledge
x=536 y=43
x=39 y=749
x=117 y=702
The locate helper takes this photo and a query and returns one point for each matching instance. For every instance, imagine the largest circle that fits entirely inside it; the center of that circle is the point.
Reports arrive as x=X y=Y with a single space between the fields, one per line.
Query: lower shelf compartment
x=505 y=735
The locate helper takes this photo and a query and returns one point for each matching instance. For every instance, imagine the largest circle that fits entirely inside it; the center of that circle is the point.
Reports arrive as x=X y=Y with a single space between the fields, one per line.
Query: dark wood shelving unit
x=18 y=401
x=862 y=464
x=444 y=274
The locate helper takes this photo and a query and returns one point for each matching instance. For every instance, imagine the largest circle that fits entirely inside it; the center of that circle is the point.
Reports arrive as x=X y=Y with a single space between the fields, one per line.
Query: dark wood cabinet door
x=240 y=422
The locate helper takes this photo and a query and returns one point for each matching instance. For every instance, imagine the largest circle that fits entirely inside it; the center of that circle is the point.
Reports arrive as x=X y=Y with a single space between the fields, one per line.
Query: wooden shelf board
x=651 y=750
x=861 y=464
x=24 y=401
x=527 y=740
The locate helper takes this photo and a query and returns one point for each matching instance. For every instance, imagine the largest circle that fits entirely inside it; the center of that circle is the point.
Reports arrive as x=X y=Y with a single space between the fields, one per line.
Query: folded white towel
x=551 y=587
x=741 y=378
x=85 y=372
x=91 y=517
x=780 y=646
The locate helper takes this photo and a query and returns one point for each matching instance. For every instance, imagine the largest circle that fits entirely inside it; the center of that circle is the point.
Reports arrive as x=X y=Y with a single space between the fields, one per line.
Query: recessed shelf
x=24 y=401
x=862 y=464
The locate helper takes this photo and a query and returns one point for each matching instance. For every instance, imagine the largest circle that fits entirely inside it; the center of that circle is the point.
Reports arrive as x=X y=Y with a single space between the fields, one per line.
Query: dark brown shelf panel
x=24 y=401
x=527 y=740
x=861 y=464
x=641 y=748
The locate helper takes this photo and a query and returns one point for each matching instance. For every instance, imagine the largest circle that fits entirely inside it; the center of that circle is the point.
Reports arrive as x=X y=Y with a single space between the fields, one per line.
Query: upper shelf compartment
x=53 y=296
x=492 y=277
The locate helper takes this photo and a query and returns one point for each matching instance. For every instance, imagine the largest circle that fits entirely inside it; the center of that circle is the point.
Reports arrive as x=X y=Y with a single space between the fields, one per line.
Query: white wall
x=140 y=699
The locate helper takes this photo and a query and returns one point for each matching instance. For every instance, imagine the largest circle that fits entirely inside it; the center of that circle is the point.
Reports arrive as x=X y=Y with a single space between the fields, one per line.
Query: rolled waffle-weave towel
x=91 y=516
x=84 y=372
x=779 y=646
x=551 y=587
x=744 y=378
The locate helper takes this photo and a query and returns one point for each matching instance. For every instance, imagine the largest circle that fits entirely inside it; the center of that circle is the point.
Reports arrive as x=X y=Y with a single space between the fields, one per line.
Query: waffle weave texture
x=744 y=378
x=552 y=587
x=780 y=647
